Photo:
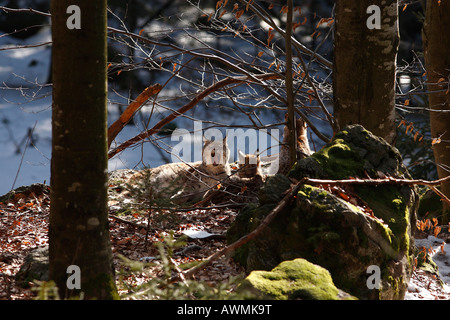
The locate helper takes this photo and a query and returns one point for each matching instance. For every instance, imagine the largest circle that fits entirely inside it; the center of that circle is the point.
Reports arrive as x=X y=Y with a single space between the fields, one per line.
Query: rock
x=353 y=152
x=272 y=190
x=345 y=238
x=295 y=279
x=430 y=205
x=35 y=267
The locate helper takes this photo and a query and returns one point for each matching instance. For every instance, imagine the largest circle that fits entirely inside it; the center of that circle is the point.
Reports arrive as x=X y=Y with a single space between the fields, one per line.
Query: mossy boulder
x=345 y=238
x=295 y=279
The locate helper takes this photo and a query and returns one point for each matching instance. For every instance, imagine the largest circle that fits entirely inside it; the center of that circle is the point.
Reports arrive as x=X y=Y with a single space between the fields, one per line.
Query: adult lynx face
x=215 y=156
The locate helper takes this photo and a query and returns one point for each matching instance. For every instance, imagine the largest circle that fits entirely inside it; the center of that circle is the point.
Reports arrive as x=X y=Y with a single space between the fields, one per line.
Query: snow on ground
x=23 y=166
x=25 y=107
x=22 y=110
x=32 y=164
x=441 y=256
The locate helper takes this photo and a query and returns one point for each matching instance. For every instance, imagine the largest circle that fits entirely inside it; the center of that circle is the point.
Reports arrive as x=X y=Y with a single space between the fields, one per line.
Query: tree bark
x=290 y=87
x=79 y=227
x=436 y=38
x=364 y=66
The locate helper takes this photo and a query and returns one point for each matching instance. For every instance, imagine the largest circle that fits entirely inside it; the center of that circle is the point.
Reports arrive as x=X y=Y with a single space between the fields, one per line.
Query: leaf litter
x=24 y=219
x=24 y=226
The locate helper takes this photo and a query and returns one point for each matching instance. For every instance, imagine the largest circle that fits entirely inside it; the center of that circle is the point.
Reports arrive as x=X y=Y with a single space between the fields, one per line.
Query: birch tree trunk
x=436 y=36
x=79 y=229
x=365 y=51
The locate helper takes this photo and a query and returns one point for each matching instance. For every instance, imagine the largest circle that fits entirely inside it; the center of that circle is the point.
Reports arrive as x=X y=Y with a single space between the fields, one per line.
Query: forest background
x=189 y=48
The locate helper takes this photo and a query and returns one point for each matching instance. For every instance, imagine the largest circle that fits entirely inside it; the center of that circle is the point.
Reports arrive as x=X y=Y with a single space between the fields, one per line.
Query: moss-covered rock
x=353 y=152
x=430 y=205
x=272 y=191
x=333 y=233
x=295 y=279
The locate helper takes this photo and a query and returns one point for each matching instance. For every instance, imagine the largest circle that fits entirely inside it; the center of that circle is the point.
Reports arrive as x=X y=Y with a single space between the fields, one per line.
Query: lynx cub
x=302 y=145
x=249 y=165
x=189 y=181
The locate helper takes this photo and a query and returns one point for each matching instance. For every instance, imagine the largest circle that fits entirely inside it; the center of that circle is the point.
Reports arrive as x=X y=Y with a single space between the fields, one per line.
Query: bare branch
x=260 y=12
x=7 y=10
x=188 y=106
x=126 y=116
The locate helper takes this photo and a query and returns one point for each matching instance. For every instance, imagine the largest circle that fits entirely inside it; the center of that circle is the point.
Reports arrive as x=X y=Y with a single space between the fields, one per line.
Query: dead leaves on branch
x=129 y=112
x=347 y=194
x=431 y=225
x=410 y=128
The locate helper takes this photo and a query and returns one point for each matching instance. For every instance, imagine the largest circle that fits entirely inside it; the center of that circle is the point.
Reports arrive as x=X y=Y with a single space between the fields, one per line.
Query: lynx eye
x=213 y=153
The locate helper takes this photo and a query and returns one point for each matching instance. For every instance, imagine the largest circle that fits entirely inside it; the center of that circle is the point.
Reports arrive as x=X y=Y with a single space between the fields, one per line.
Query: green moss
x=295 y=279
x=338 y=159
x=425 y=263
x=384 y=200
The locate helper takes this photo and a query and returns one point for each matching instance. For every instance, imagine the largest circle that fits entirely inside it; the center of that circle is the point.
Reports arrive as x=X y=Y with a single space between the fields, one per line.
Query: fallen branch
x=372 y=182
x=129 y=112
x=389 y=180
x=281 y=205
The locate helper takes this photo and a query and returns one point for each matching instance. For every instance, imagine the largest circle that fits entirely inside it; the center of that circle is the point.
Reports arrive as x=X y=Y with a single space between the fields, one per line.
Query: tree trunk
x=79 y=228
x=364 y=65
x=437 y=60
x=290 y=87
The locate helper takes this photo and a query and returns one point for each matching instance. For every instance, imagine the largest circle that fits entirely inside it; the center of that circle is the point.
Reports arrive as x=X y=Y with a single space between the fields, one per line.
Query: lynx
x=249 y=165
x=189 y=181
x=302 y=146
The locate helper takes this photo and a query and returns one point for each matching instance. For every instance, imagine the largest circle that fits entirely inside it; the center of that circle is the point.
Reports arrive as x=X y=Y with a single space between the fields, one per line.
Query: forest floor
x=24 y=227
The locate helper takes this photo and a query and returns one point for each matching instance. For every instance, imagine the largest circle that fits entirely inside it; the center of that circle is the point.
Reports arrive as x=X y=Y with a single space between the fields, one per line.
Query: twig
x=439 y=193
x=187 y=107
x=131 y=223
x=29 y=138
x=180 y=272
x=29 y=10
x=389 y=180
x=319 y=99
x=260 y=12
